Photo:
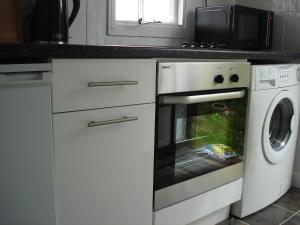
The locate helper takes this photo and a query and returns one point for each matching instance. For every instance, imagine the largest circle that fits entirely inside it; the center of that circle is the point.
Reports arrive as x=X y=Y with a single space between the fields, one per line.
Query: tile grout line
x=243 y=222
x=284 y=208
x=296 y=213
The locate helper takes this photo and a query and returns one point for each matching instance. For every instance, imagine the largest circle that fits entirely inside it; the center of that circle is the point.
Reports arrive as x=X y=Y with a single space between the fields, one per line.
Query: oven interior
x=196 y=139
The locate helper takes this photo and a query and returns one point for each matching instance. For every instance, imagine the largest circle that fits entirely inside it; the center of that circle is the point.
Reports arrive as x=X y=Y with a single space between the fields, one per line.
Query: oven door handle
x=185 y=100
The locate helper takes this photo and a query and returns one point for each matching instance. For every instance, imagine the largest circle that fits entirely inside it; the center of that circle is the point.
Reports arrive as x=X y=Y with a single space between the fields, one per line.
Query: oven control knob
x=234 y=78
x=219 y=79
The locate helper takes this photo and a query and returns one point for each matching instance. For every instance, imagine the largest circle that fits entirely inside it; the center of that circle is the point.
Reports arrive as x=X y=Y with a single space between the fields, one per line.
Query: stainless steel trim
x=113 y=83
x=174 y=100
x=190 y=188
x=108 y=122
x=180 y=77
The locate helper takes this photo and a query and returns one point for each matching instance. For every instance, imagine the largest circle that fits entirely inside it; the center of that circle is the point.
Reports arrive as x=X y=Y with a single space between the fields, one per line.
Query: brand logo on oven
x=166 y=67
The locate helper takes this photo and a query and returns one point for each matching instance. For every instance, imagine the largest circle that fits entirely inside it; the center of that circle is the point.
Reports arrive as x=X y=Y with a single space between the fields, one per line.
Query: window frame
x=134 y=29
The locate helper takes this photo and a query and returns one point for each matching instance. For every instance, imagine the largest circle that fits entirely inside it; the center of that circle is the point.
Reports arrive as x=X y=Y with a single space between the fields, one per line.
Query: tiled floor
x=285 y=211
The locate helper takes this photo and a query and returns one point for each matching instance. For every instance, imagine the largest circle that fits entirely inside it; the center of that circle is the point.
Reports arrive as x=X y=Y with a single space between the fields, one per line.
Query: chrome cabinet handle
x=113 y=83
x=185 y=100
x=108 y=122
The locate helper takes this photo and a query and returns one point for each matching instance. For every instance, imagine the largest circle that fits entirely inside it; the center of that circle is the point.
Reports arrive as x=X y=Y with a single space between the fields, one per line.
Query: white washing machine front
x=279 y=129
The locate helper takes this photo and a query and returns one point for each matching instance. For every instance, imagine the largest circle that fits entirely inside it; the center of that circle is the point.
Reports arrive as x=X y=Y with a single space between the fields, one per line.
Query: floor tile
x=295 y=220
x=291 y=200
x=231 y=221
x=271 y=215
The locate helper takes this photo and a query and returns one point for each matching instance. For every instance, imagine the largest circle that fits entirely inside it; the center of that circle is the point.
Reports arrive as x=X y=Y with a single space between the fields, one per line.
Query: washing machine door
x=279 y=127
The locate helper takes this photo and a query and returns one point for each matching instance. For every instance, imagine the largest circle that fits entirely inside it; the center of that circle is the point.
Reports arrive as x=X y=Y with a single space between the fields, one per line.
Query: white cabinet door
x=80 y=84
x=104 y=174
x=26 y=155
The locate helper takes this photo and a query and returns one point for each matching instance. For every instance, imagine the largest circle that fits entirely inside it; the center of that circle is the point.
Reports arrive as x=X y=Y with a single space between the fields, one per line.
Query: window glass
x=127 y=10
x=164 y=11
x=158 y=10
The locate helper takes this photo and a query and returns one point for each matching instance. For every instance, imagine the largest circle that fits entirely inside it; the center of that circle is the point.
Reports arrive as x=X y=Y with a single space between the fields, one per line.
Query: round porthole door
x=279 y=127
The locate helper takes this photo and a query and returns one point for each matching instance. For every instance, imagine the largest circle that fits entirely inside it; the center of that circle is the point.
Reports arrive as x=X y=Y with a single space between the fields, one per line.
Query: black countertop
x=45 y=52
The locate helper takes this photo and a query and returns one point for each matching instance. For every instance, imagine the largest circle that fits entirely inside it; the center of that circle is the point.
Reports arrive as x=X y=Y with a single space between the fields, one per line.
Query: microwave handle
x=231 y=20
x=269 y=27
x=186 y=100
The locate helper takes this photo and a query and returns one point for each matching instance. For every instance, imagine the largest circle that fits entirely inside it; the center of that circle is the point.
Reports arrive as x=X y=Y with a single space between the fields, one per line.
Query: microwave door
x=246 y=28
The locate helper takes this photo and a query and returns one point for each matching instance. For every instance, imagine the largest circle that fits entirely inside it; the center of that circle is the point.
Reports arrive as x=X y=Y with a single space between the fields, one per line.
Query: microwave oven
x=234 y=27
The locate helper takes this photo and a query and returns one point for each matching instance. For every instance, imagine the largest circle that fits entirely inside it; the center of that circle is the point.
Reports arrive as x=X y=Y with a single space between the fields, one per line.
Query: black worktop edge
x=44 y=51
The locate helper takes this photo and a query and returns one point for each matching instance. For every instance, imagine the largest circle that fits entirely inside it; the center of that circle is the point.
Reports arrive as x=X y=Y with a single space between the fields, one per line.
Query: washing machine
x=296 y=174
x=271 y=136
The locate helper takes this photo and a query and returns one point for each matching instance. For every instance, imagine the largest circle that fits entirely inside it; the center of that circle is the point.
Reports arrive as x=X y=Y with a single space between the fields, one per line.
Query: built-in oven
x=200 y=128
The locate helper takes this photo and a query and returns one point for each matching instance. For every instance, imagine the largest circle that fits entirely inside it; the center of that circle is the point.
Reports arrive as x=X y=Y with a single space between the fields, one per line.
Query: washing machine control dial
x=219 y=79
x=234 y=78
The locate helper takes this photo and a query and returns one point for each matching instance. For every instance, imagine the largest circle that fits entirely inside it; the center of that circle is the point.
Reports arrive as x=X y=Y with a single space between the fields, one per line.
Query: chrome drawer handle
x=113 y=83
x=108 y=122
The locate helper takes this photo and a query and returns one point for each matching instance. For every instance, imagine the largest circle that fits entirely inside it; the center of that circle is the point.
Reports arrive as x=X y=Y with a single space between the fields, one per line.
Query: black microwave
x=234 y=26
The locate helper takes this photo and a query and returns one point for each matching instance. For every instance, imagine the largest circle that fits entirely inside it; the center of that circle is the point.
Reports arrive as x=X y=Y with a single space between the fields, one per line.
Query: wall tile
x=220 y=2
x=292 y=31
x=260 y=4
x=294 y=6
x=77 y=31
x=274 y=5
x=96 y=22
x=281 y=5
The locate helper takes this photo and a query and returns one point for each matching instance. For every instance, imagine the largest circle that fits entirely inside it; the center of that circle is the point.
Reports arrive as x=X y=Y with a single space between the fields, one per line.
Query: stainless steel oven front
x=200 y=128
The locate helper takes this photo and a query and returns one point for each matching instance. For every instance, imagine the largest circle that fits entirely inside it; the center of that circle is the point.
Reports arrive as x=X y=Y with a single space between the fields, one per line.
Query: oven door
x=199 y=144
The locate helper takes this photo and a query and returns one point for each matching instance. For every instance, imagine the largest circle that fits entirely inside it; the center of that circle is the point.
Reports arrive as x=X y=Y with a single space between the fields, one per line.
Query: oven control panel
x=177 y=77
x=219 y=79
x=234 y=78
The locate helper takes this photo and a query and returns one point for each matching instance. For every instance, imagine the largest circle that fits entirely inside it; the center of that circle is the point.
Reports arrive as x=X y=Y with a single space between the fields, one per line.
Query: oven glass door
x=198 y=138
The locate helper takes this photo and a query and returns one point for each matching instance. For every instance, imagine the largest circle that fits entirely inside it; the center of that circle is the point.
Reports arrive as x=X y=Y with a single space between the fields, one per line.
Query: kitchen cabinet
x=93 y=83
x=26 y=148
x=104 y=157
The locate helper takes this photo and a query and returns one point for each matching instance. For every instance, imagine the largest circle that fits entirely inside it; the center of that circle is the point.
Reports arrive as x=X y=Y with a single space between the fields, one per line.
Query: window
x=163 y=11
x=153 y=18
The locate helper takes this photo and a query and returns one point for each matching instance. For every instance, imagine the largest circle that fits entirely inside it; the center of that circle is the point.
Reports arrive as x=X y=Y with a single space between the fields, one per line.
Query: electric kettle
x=50 y=21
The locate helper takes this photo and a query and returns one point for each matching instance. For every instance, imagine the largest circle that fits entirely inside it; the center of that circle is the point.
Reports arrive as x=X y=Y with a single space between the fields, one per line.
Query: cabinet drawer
x=104 y=173
x=98 y=83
